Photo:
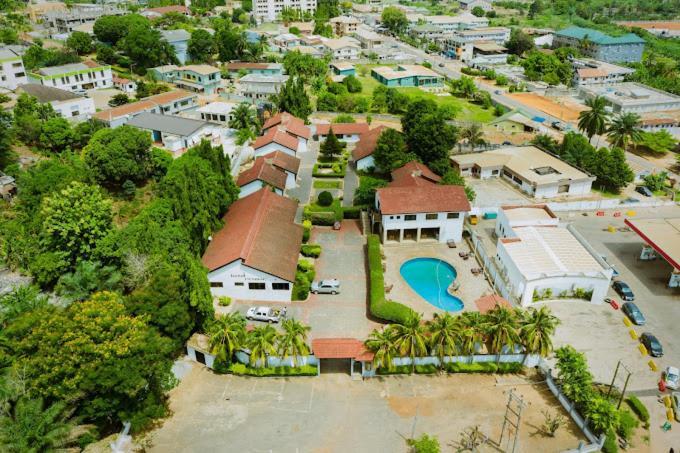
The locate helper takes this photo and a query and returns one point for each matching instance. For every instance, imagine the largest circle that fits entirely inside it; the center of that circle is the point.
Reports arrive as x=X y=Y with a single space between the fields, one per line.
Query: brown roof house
x=261 y=174
x=362 y=154
x=276 y=139
x=347 y=132
x=254 y=256
x=290 y=124
x=414 y=207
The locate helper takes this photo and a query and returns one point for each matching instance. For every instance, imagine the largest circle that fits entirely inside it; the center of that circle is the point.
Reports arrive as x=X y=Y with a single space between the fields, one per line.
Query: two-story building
x=270 y=10
x=74 y=77
x=600 y=46
x=169 y=103
x=260 y=87
x=344 y=25
x=460 y=45
x=463 y=21
x=236 y=68
x=343 y=48
x=469 y=5
x=414 y=207
x=368 y=39
x=199 y=78
x=407 y=76
x=69 y=105
x=255 y=255
x=12 y=72
x=217 y=112
x=593 y=72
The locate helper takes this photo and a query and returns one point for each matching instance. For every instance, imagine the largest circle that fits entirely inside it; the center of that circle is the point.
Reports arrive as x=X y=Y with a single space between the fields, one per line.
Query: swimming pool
x=430 y=278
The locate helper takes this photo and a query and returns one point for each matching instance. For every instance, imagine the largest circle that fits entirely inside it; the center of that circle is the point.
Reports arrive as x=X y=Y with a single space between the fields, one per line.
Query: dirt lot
x=333 y=413
x=563 y=109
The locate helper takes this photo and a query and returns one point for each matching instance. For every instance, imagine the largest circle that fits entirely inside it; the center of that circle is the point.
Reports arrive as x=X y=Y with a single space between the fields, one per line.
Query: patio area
x=471 y=288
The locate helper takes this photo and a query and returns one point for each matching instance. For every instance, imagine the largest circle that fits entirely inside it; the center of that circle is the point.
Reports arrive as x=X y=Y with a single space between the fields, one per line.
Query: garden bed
x=327 y=184
x=330 y=170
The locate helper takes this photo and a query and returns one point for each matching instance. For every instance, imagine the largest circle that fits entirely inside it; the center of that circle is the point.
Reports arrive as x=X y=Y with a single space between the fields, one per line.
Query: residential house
x=460 y=44
x=469 y=5
x=600 y=46
x=450 y=24
x=288 y=164
x=362 y=154
x=125 y=85
x=485 y=54
x=199 y=78
x=368 y=39
x=631 y=97
x=169 y=103
x=154 y=13
x=343 y=69
x=276 y=139
x=407 y=76
x=236 y=68
x=74 y=77
x=533 y=171
x=261 y=175
x=177 y=134
x=292 y=126
x=255 y=255
x=515 y=121
x=259 y=87
x=414 y=207
x=64 y=22
x=12 y=72
x=343 y=48
x=539 y=259
x=217 y=112
x=344 y=25
x=179 y=40
x=270 y=10
x=8 y=187
x=593 y=72
x=346 y=132
x=66 y=103
x=306 y=28
x=286 y=41
x=428 y=32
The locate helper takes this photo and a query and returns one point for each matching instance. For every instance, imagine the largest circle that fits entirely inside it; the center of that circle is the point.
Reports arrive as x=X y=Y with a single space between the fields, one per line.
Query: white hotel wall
x=236 y=272
x=449 y=228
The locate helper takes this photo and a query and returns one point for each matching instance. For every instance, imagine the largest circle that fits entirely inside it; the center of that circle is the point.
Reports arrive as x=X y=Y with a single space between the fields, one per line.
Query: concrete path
x=305 y=180
x=350 y=185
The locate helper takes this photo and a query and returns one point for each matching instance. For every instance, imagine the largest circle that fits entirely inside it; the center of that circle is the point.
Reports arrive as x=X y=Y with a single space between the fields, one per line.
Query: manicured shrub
x=378 y=306
x=351 y=212
x=325 y=198
x=639 y=408
x=307 y=230
x=303 y=280
x=627 y=424
x=322 y=218
x=483 y=367
x=241 y=369
x=224 y=301
x=406 y=369
x=311 y=250
x=610 y=443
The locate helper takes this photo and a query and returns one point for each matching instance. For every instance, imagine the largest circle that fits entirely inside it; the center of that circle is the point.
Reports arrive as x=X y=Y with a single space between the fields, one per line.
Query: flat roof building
x=626 y=48
x=632 y=97
x=593 y=72
x=407 y=76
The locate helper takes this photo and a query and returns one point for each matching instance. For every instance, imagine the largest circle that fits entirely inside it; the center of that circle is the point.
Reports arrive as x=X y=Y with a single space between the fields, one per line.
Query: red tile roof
x=489 y=302
x=291 y=124
x=144 y=105
x=260 y=230
x=276 y=135
x=284 y=161
x=419 y=199
x=366 y=144
x=342 y=128
x=265 y=172
x=337 y=348
x=413 y=174
x=169 y=9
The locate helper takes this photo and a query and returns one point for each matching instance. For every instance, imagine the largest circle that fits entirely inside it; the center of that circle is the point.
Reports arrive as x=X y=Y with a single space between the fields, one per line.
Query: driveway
x=332 y=413
x=350 y=185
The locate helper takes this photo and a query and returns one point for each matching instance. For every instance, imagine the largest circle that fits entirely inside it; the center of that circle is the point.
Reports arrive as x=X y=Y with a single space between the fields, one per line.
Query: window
x=281 y=286
x=238 y=283
x=216 y=284
x=431 y=216
x=452 y=215
x=255 y=285
x=410 y=217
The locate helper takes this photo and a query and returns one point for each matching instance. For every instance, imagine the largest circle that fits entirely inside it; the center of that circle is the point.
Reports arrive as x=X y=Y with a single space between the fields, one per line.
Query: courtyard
x=333 y=413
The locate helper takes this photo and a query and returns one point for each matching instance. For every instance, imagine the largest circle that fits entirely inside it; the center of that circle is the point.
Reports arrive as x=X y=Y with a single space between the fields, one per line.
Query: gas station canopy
x=663 y=235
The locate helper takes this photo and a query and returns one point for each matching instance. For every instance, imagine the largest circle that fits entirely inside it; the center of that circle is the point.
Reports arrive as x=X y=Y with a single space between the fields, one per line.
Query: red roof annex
x=340 y=348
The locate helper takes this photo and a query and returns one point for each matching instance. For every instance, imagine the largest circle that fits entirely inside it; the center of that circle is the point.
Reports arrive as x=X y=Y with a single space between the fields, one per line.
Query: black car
x=624 y=290
x=652 y=344
x=634 y=314
x=644 y=190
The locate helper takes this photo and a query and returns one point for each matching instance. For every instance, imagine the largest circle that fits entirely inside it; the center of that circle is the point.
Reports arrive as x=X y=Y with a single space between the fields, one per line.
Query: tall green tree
x=201 y=46
x=428 y=135
x=6 y=139
x=86 y=278
x=594 y=121
x=410 y=339
x=331 y=147
x=262 y=342
x=391 y=151
x=244 y=116
x=474 y=135
x=56 y=135
x=537 y=326
x=146 y=48
x=501 y=329
x=293 y=341
x=519 y=42
x=444 y=336
x=80 y=42
x=394 y=19
x=293 y=99
x=612 y=170
x=624 y=129
x=382 y=344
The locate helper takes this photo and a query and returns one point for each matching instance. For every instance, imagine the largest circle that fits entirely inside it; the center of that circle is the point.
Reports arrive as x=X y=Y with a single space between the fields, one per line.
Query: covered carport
x=342 y=355
x=662 y=238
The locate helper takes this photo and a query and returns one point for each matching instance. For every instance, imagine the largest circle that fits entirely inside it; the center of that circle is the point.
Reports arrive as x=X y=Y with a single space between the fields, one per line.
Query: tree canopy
x=394 y=19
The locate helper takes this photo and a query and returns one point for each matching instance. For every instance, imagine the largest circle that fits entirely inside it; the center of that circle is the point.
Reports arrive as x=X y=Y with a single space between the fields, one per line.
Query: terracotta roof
x=366 y=144
x=276 y=135
x=292 y=124
x=336 y=348
x=169 y=9
x=260 y=230
x=658 y=121
x=489 y=302
x=591 y=72
x=265 y=172
x=117 y=79
x=413 y=174
x=419 y=199
x=342 y=128
x=143 y=105
x=283 y=161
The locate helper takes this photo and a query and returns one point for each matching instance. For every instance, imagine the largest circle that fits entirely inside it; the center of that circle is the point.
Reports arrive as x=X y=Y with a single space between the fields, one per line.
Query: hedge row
x=351 y=212
x=241 y=369
x=311 y=250
x=378 y=305
x=456 y=367
x=316 y=171
x=406 y=369
x=639 y=408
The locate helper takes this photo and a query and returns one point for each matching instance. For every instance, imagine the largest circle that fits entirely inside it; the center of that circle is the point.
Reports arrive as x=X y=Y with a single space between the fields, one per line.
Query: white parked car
x=326 y=287
x=671 y=377
x=266 y=314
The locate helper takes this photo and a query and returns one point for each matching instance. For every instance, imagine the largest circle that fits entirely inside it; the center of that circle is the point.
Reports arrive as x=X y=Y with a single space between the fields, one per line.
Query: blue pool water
x=430 y=277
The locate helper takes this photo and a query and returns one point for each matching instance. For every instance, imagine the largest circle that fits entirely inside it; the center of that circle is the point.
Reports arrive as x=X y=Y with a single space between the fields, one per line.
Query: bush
x=322 y=218
x=638 y=408
x=378 y=306
x=311 y=250
x=610 y=443
x=351 y=212
x=303 y=280
x=406 y=369
x=627 y=424
x=325 y=198
x=241 y=369
x=224 y=301
x=307 y=230
x=338 y=170
x=483 y=367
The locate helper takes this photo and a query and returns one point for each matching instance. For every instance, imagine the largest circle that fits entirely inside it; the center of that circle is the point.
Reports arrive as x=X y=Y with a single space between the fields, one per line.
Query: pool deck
x=471 y=287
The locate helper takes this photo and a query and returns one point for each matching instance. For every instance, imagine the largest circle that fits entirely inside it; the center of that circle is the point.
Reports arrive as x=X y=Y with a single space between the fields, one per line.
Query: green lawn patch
x=329 y=170
x=319 y=184
x=467 y=111
x=323 y=215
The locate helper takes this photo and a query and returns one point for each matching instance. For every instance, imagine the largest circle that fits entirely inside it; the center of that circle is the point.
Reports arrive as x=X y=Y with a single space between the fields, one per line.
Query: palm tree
x=381 y=343
x=31 y=427
x=244 y=116
x=536 y=329
x=293 y=342
x=501 y=329
x=474 y=135
x=471 y=332
x=444 y=336
x=593 y=121
x=624 y=128
x=409 y=339
x=227 y=334
x=262 y=343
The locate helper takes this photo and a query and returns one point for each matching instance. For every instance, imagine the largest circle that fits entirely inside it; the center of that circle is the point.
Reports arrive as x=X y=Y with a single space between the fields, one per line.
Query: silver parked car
x=331 y=286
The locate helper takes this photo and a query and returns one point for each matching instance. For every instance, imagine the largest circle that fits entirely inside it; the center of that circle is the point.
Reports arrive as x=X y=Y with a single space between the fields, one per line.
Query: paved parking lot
x=333 y=413
x=495 y=191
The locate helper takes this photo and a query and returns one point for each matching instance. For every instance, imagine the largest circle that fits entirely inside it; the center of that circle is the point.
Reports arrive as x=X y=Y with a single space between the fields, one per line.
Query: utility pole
x=512 y=419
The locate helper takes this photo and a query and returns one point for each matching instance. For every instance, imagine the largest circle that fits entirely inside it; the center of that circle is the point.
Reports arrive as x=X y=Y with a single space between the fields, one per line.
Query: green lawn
x=467 y=111
x=322 y=184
